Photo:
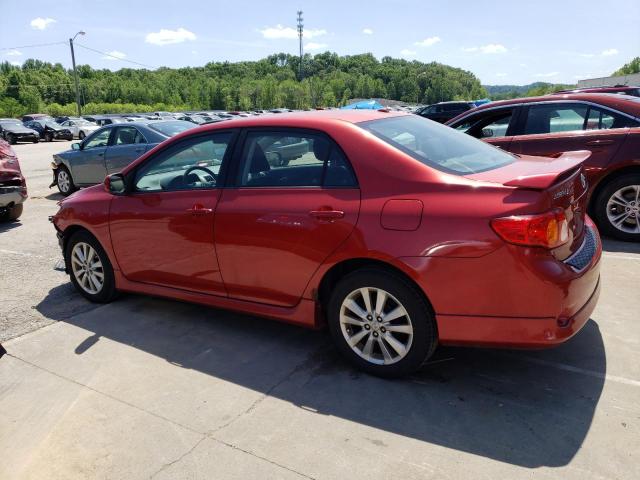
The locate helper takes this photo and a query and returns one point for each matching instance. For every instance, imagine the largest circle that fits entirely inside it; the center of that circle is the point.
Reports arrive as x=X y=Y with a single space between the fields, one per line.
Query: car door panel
x=88 y=166
x=270 y=241
x=177 y=228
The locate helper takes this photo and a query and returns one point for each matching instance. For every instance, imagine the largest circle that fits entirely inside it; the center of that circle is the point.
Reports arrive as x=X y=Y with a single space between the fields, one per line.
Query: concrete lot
x=151 y=388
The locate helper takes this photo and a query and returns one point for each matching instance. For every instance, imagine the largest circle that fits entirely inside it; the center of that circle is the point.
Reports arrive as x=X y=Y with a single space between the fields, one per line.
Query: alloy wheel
x=623 y=209
x=87 y=268
x=376 y=325
x=64 y=181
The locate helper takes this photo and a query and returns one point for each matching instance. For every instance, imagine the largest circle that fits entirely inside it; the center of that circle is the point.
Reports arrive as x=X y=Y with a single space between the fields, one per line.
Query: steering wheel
x=198 y=167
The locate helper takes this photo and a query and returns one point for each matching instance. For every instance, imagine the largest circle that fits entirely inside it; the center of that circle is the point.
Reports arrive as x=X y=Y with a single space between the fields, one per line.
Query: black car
x=444 y=111
x=13 y=131
x=49 y=130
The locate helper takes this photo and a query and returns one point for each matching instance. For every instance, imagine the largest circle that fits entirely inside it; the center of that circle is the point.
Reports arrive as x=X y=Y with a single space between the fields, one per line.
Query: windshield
x=171 y=127
x=53 y=125
x=438 y=146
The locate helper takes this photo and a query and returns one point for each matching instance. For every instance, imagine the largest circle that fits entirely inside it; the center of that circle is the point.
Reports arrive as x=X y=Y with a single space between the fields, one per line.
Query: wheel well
x=69 y=232
x=340 y=270
x=631 y=169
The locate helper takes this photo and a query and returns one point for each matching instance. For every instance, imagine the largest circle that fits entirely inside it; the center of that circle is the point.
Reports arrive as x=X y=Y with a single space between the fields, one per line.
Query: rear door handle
x=199 y=210
x=327 y=214
x=593 y=143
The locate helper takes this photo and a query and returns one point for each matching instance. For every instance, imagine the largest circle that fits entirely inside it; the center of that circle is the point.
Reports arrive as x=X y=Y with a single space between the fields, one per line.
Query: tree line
x=328 y=80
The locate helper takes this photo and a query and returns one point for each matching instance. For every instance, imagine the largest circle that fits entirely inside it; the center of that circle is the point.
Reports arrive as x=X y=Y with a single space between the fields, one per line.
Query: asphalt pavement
x=153 y=388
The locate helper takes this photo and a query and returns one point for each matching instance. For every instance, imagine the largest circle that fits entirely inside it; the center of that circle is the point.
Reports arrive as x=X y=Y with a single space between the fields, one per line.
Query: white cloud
x=40 y=23
x=315 y=46
x=367 y=31
x=427 y=42
x=407 y=53
x=280 y=31
x=115 y=55
x=166 y=37
x=13 y=53
x=546 y=75
x=488 y=49
x=501 y=74
x=586 y=55
x=609 y=52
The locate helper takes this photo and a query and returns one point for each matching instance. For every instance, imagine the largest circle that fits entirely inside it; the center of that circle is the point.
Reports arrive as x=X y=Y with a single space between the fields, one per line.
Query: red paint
x=265 y=251
x=401 y=214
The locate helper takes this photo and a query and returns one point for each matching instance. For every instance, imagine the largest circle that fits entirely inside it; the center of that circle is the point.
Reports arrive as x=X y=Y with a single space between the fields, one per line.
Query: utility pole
x=300 y=33
x=75 y=72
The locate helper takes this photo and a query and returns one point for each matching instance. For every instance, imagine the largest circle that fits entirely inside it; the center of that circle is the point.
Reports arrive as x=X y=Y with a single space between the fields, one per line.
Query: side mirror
x=76 y=146
x=486 y=133
x=115 y=184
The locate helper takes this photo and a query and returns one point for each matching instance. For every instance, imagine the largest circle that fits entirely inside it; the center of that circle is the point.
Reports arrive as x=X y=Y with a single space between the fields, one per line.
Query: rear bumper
x=10 y=196
x=514 y=332
x=512 y=297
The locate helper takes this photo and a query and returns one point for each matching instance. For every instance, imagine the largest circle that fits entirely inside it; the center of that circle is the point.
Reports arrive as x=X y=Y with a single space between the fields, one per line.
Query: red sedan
x=607 y=125
x=399 y=233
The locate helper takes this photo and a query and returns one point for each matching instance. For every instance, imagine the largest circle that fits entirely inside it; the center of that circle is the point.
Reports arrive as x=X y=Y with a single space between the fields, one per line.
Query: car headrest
x=321 y=149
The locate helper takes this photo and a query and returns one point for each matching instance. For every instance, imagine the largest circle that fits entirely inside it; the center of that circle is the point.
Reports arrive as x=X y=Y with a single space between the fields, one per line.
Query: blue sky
x=502 y=42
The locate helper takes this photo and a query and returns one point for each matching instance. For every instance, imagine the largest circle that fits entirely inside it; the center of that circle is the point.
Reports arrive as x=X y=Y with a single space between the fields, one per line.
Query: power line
x=113 y=56
x=33 y=46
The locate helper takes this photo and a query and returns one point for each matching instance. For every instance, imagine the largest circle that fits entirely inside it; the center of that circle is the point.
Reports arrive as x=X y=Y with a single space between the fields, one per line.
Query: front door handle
x=199 y=210
x=327 y=214
x=595 y=143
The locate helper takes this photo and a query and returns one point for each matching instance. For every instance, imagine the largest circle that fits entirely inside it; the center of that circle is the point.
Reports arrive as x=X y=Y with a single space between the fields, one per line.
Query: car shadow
x=54 y=196
x=7 y=225
x=525 y=408
x=612 y=245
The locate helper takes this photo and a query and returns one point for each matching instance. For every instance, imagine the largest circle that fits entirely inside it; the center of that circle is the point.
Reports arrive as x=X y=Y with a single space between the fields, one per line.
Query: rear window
x=171 y=127
x=438 y=146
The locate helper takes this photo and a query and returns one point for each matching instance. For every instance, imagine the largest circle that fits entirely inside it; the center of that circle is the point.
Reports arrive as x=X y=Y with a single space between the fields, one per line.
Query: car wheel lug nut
x=375 y=334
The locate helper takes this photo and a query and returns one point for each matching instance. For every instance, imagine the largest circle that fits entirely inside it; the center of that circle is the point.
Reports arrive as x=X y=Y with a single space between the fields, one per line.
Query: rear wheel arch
x=345 y=267
x=603 y=182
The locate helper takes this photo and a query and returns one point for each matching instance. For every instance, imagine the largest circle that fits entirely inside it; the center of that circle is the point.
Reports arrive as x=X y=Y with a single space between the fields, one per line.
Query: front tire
x=48 y=137
x=89 y=268
x=381 y=323
x=81 y=136
x=617 y=208
x=64 y=181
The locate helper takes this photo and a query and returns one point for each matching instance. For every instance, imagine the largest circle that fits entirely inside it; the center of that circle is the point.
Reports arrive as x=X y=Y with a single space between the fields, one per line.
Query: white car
x=80 y=128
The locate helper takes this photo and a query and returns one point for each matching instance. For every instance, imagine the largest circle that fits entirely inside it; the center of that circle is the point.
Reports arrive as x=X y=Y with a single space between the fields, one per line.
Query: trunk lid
x=561 y=183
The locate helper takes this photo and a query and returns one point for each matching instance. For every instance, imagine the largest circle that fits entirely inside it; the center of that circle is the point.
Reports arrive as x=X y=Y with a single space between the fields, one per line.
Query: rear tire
x=89 y=268
x=12 y=214
x=64 y=181
x=389 y=340
x=617 y=208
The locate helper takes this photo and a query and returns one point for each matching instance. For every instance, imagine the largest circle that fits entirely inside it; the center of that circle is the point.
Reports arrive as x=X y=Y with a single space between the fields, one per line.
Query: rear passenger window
x=603 y=120
x=293 y=160
x=553 y=118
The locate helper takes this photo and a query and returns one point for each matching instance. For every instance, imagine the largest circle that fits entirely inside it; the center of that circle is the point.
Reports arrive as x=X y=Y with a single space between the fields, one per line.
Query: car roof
x=623 y=103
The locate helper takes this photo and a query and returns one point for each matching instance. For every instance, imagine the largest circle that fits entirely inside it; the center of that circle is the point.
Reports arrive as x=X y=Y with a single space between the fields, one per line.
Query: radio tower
x=300 y=33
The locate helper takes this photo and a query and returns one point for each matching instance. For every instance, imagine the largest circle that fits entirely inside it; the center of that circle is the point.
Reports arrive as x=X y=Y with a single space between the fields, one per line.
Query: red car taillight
x=549 y=229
